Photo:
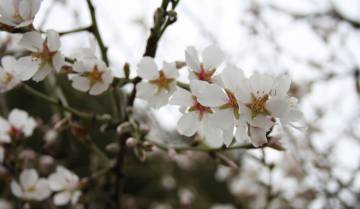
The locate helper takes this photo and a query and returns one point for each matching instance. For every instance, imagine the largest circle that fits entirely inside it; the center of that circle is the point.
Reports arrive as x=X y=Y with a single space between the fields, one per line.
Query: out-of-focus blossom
x=66 y=184
x=197 y=117
x=14 y=71
x=159 y=84
x=18 y=13
x=18 y=124
x=31 y=187
x=45 y=52
x=212 y=58
x=4 y=204
x=222 y=206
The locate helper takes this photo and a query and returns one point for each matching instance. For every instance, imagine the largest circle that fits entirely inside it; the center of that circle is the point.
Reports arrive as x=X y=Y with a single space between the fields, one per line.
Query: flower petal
x=182 y=98
x=28 y=178
x=98 y=88
x=212 y=57
x=62 y=198
x=232 y=77
x=170 y=70
x=53 y=40
x=147 y=68
x=16 y=189
x=32 y=41
x=58 y=61
x=188 y=124
x=192 y=59
x=211 y=95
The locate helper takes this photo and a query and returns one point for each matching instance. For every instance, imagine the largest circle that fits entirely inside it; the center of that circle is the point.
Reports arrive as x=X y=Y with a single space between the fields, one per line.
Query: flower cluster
x=88 y=73
x=220 y=105
x=33 y=188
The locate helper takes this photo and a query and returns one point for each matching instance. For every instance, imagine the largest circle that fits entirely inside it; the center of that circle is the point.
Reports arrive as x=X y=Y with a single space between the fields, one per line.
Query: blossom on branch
x=159 y=84
x=45 y=52
x=14 y=71
x=212 y=58
x=66 y=184
x=31 y=187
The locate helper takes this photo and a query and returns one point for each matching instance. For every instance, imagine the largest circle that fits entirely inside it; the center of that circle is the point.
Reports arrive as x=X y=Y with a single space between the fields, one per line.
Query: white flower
x=263 y=99
x=18 y=13
x=212 y=57
x=196 y=118
x=91 y=75
x=66 y=184
x=14 y=71
x=159 y=84
x=223 y=100
x=44 y=51
x=19 y=124
x=31 y=187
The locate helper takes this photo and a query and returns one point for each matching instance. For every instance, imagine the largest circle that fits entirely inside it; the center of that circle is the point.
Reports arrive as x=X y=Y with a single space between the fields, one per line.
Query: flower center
x=15 y=132
x=17 y=17
x=46 y=55
x=232 y=103
x=201 y=110
x=205 y=75
x=95 y=75
x=30 y=189
x=7 y=78
x=162 y=82
x=257 y=106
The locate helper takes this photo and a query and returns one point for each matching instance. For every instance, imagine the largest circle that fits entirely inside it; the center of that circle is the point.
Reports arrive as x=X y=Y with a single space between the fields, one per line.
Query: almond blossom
x=159 y=84
x=91 y=75
x=30 y=187
x=14 y=71
x=45 y=51
x=66 y=184
x=18 y=124
x=212 y=58
x=197 y=117
x=264 y=98
x=18 y=13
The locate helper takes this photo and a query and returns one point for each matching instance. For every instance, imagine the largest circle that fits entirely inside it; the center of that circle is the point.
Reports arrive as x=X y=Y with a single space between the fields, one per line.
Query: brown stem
x=119 y=172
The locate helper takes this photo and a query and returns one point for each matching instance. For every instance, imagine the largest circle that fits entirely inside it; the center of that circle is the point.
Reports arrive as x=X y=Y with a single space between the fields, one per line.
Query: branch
x=12 y=29
x=50 y=100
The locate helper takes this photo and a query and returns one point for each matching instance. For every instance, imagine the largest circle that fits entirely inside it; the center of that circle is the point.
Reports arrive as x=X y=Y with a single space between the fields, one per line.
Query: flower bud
x=124 y=127
x=131 y=142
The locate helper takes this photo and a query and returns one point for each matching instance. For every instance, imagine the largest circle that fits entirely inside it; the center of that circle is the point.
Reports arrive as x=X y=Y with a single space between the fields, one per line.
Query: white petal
x=241 y=133
x=8 y=63
x=228 y=135
x=53 y=40
x=281 y=85
x=212 y=57
x=28 y=178
x=213 y=137
x=148 y=69
x=42 y=190
x=62 y=198
x=7 y=8
x=159 y=99
x=262 y=121
x=188 y=124
x=107 y=76
x=211 y=95
x=278 y=107
x=16 y=189
x=223 y=119
x=232 y=78
x=261 y=84
x=42 y=73
x=75 y=197
x=145 y=90
x=80 y=83
x=170 y=70
x=26 y=68
x=58 y=61
x=32 y=41
x=258 y=136
x=182 y=98
x=98 y=88
x=35 y=6
x=192 y=59
x=243 y=93
x=57 y=181
x=25 y=9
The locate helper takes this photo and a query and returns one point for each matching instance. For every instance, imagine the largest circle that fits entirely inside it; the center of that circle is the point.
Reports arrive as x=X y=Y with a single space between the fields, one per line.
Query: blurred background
x=317 y=42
